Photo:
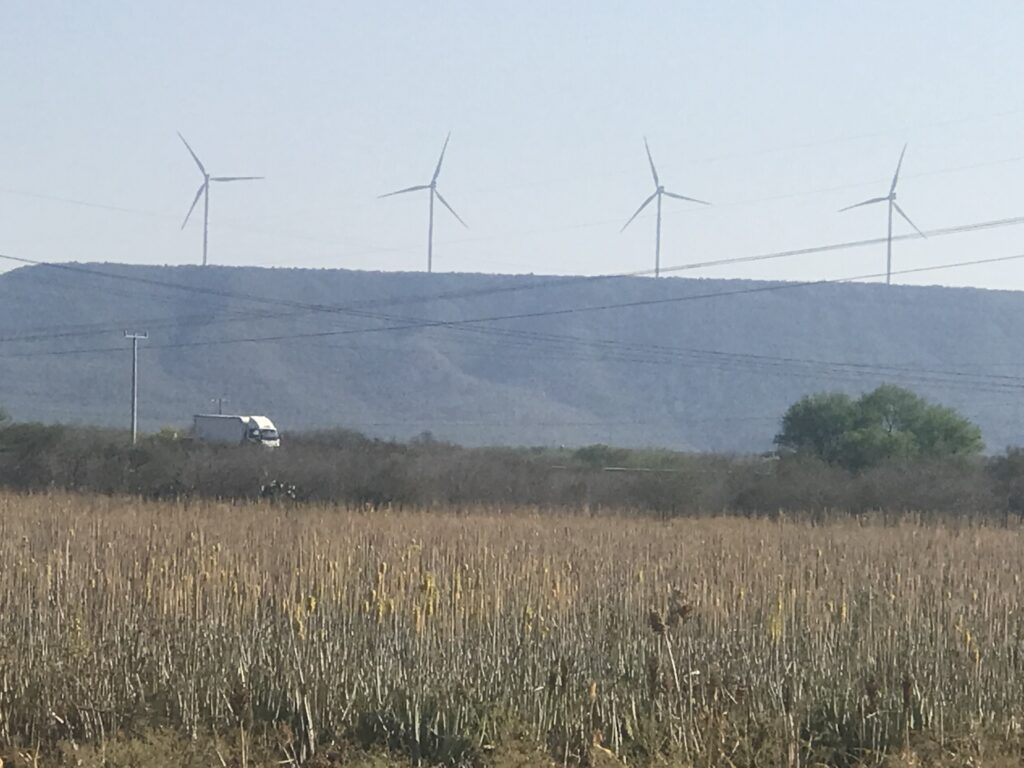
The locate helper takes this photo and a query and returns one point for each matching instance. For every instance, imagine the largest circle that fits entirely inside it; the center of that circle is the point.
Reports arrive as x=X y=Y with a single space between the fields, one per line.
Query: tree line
x=886 y=451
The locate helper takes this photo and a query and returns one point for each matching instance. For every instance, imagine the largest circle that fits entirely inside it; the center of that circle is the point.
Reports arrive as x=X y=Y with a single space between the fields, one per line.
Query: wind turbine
x=659 y=192
x=432 y=186
x=891 y=199
x=204 y=192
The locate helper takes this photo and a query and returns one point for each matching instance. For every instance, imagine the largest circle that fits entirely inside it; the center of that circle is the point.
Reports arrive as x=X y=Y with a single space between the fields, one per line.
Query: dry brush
x=443 y=635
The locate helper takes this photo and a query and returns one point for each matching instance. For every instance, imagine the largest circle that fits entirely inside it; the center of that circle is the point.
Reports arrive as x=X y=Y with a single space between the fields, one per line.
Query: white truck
x=235 y=430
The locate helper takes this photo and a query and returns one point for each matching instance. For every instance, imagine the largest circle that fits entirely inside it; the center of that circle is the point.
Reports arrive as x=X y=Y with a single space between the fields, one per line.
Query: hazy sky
x=779 y=113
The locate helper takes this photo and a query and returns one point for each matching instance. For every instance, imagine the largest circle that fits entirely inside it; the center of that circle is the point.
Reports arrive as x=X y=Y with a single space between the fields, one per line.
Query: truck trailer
x=235 y=430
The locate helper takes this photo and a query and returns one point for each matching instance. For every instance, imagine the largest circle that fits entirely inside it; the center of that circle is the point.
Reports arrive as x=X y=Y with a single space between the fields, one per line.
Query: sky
x=779 y=113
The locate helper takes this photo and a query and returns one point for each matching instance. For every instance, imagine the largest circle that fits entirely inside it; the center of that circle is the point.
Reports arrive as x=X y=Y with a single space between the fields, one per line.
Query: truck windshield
x=269 y=434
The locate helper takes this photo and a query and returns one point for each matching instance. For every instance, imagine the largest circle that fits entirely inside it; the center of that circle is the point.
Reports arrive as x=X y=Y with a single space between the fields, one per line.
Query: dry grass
x=447 y=638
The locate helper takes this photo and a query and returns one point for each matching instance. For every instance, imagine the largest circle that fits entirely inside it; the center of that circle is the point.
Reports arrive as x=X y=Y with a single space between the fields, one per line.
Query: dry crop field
x=206 y=634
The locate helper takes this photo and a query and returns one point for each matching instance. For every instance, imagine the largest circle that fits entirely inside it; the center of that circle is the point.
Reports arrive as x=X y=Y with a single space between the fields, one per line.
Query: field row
x=444 y=636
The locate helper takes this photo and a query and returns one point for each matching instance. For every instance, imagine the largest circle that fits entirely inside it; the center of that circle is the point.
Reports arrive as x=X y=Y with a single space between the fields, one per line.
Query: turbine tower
x=659 y=192
x=893 y=205
x=432 y=186
x=204 y=192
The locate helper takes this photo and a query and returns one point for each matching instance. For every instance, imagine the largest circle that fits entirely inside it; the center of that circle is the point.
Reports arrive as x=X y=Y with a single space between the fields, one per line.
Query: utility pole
x=135 y=337
x=220 y=404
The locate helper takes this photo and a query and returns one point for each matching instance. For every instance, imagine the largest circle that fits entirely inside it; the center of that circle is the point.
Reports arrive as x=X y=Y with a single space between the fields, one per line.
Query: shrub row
x=347 y=467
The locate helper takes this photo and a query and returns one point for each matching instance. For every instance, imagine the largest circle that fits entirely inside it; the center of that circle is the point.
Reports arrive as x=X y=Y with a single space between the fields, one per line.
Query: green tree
x=890 y=423
x=944 y=432
x=599 y=455
x=819 y=425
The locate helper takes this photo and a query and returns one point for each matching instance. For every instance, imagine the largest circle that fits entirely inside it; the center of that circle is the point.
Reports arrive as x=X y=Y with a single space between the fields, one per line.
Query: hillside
x=676 y=367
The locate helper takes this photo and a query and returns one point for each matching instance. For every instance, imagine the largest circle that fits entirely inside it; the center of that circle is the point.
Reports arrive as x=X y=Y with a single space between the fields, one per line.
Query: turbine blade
x=236 y=178
x=643 y=205
x=896 y=176
x=654 y=171
x=194 y=155
x=417 y=188
x=199 y=193
x=872 y=201
x=904 y=215
x=452 y=210
x=684 y=197
x=437 y=171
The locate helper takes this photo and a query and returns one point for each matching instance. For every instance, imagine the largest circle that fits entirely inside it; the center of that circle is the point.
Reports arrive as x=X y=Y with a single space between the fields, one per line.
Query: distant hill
x=691 y=364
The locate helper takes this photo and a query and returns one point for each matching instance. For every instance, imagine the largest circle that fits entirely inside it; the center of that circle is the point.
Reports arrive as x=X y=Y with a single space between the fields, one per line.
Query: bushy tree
x=890 y=423
x=819 y=425
x=599 y=455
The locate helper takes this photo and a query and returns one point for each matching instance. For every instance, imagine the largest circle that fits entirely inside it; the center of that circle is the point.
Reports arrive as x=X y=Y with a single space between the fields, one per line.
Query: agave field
x=270 y=634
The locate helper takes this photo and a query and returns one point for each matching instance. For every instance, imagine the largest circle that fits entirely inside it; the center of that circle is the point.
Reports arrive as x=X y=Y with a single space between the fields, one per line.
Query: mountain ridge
x=693 y=364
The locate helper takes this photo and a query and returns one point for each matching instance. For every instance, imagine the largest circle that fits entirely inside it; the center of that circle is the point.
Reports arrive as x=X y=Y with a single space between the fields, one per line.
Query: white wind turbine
x=893 y=205
x=432 y=186
x=659 y=192
x=204 y=192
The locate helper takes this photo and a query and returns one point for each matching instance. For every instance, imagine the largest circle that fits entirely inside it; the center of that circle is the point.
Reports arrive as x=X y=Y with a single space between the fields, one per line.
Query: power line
x=78 y=330
x=505 y=423
x=710 y=360
x=352 y=308
x=633 y=351
x=421 y=323
x=993 y=382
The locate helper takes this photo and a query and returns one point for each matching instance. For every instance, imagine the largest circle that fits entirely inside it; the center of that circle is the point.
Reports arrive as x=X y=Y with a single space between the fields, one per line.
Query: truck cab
x=262 y=430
